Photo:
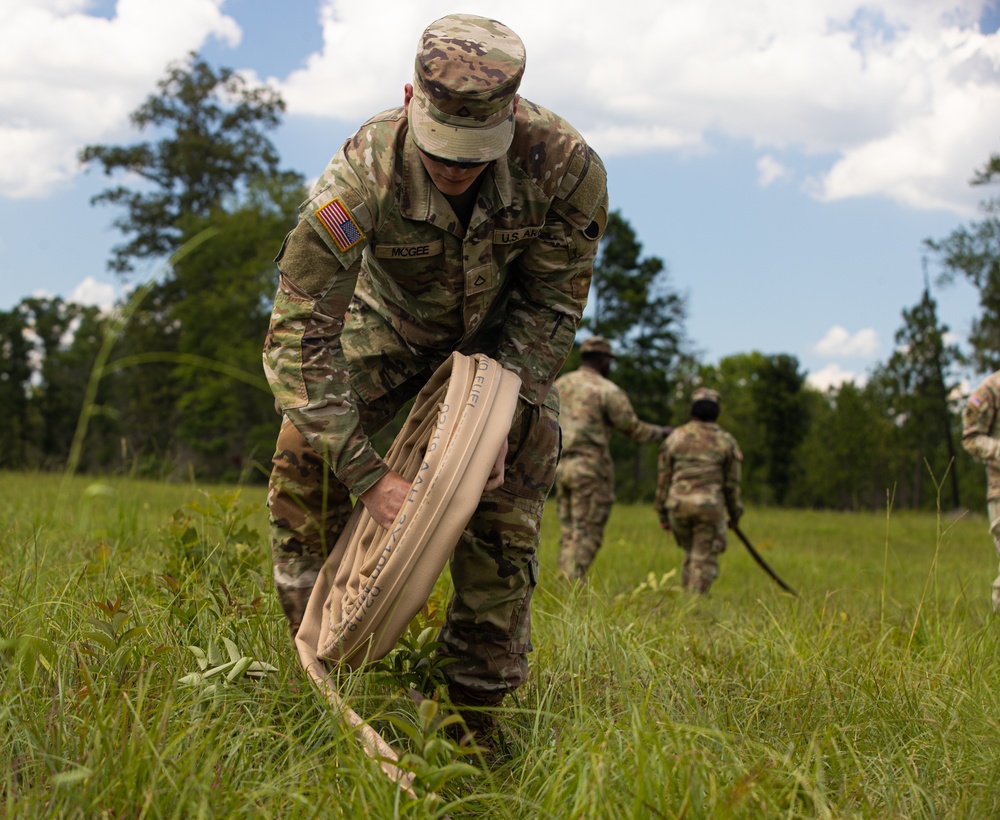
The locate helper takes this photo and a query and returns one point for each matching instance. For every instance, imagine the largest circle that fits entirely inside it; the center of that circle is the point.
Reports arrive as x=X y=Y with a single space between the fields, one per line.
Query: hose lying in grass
x=375 y=580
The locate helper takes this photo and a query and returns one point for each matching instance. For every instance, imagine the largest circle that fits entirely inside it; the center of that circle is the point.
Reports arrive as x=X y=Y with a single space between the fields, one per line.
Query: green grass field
x=145 y=671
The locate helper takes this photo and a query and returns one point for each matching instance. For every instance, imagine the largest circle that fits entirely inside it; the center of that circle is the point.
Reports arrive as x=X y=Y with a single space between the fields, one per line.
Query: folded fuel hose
x=375 y=580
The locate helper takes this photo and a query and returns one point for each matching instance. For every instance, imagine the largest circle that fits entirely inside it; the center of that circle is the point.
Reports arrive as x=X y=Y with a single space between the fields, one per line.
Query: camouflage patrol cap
x=596 y=344
x=467 y=73
x=705 y=394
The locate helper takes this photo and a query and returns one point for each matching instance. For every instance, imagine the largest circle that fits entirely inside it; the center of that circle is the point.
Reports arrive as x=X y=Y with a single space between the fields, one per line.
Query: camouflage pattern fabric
x=494 y=568
x=701 y=533
x=456 y=115
x=592 y=408
x=379 y=283
x=993 y=510
x=519 y=275
x=495 y=565
x=981 y=438
x=698 y=489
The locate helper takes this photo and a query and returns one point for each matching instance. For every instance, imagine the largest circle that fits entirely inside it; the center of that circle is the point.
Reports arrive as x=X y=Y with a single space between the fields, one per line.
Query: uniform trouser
x=993 y=508
x=701 y=533
x=584 y=501
x=494 y=568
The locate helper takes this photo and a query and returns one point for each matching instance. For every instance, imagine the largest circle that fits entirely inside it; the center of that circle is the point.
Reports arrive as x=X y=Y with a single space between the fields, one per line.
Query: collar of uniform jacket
x=421 y=198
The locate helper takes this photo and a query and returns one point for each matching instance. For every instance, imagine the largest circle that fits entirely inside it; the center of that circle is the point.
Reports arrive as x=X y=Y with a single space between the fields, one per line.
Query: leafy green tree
x=15 y=376
x=845 y=459
x=733 y=377
x=918 y=379
x=223 y=420
x=189 y=385
x=634 y=306
x=782 y=412
x=63 y=338
x=764 y=407
x=215 y=125
x=973 y=252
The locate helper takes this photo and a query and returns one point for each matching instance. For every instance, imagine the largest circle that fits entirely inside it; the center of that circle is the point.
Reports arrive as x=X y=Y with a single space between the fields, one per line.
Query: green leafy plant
x=109 y=643
x=216 y=666
x=29 y=654
x=414 y=663
x=183 y=606
x=653 y=584
x=213 y=535
x=434 y=757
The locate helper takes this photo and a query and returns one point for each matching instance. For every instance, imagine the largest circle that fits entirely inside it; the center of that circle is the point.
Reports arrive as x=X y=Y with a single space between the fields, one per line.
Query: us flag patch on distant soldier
x=341 y=225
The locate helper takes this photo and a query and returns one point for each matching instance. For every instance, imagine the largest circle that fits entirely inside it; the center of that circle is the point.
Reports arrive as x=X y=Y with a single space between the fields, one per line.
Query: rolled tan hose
x=375 y=580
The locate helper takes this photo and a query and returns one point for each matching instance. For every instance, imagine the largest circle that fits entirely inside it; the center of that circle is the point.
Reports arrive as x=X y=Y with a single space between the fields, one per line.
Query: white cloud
x=893 y=98
x=902 y=95
x=839 y=342
x=769 y=170
x=833 y=375
x=92 y=292
x=68 y=78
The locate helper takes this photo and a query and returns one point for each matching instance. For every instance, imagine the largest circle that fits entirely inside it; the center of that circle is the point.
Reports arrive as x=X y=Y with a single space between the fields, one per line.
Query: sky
x=785 y=159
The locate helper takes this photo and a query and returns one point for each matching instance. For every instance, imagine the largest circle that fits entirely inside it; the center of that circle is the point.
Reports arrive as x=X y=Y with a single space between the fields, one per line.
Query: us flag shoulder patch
x=974 y=399
x=341 y=225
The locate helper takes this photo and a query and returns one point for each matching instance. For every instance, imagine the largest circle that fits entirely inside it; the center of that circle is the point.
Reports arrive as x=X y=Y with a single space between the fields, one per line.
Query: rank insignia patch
x=341 y=225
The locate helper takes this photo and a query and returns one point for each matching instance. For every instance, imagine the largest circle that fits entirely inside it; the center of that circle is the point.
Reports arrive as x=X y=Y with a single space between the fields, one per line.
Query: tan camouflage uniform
x=592 y=407
x=379 y=283
x=981 y=438
x=697 y=493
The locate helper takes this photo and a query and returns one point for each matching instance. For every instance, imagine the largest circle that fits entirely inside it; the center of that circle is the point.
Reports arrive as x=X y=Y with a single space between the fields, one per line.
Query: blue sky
x=786 y=160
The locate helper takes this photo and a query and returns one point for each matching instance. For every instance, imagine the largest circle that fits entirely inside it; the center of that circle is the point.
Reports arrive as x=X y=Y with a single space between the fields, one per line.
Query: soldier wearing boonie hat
x=706 y=394
x=465 y=82
x=596 y=344
x=464 y=220
x=698 y=489
x=593 y=407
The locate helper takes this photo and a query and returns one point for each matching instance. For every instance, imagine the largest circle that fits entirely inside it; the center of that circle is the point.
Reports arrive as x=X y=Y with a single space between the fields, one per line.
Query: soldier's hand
x=667 y=430
x=665 y=525
x=497 y=477
x=385 y=498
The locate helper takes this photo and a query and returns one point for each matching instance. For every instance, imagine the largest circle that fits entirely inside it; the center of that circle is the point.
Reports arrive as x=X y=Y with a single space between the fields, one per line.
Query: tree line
x=169 y=383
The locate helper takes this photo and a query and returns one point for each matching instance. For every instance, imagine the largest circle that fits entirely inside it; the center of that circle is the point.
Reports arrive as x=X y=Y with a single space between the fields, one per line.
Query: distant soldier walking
x=592 y=407
x=698 y=489
x=981 y=438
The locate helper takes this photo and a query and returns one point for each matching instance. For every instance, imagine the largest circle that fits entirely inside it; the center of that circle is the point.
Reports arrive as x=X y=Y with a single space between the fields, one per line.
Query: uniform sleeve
x=623 y=418
x=732 y=474
x=303 y=356
x=980 y=412
x=664 y=475
x=549 y=291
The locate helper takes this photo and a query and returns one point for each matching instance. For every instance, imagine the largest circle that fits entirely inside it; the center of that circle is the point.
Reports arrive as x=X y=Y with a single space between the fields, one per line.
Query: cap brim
x=455 y=143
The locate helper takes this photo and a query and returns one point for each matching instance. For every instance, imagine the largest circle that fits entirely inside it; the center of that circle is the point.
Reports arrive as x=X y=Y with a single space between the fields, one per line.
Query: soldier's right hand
x=384 y=499
x=497 y=475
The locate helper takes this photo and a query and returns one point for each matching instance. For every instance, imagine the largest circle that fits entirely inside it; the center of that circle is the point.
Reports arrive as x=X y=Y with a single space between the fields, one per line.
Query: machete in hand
x=762 y=562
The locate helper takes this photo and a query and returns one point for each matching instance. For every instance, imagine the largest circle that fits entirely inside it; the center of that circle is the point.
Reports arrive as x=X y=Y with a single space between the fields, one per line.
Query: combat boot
x=479 y=728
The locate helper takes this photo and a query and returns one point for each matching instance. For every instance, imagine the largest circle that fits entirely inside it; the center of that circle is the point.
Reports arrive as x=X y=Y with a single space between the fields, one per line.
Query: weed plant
x=146 y=671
